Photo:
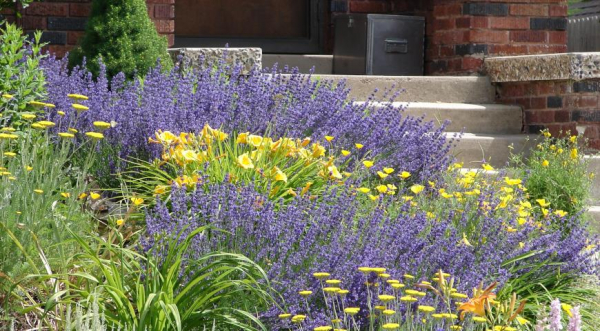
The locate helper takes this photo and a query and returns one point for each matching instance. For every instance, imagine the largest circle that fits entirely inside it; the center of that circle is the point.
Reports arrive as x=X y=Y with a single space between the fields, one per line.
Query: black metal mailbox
x=373 y=44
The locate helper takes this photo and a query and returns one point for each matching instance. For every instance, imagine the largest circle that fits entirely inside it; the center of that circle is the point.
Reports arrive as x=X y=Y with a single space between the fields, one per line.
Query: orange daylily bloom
x=477 y=304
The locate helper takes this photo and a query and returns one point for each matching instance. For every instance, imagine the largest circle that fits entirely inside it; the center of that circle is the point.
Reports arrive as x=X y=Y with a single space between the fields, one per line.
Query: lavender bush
x=292 y=105
x=338 y=234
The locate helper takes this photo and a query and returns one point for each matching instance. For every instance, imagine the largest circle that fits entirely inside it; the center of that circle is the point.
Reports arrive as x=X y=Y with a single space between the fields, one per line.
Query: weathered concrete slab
x=322 y=64
x=564 y=66
x=472 y=149
x=472 y=118
x=463 y=89
x=249 y=58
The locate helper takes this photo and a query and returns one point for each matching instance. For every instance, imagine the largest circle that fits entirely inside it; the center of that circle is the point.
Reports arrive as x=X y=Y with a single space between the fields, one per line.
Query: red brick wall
x=63 y=21
x=557 y=106
x=460 y=33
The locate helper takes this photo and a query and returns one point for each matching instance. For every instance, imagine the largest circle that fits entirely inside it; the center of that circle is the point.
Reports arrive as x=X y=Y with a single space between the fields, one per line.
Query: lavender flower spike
x=555 y=316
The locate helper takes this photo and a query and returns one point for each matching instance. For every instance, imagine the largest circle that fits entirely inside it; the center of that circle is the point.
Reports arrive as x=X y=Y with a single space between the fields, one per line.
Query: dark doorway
x=276 y=26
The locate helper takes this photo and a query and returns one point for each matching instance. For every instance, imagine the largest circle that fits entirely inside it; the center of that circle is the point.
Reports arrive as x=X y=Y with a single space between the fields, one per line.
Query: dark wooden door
x=286 y=26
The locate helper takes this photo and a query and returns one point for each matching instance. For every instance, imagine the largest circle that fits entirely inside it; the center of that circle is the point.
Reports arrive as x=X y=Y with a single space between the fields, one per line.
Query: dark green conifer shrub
x=121 y=34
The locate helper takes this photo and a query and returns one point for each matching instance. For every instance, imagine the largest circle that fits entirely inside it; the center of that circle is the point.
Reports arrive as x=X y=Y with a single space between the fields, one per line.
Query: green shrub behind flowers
x=556 y=171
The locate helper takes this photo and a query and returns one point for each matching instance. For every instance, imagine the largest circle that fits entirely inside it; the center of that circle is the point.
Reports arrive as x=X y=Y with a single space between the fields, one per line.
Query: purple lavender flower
x=575 y=320
x=555 y=316
x=293 y=105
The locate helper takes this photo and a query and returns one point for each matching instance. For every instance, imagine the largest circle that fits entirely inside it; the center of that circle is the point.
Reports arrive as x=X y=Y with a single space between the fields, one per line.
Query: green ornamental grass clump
x=120 y=33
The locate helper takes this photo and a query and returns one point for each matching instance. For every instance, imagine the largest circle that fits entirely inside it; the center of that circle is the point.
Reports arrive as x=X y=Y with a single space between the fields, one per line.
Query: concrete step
x=594 y=215
x=322 y=64
x=594 y=167
x=475 y=90
x=472 y=118
x=472 y=149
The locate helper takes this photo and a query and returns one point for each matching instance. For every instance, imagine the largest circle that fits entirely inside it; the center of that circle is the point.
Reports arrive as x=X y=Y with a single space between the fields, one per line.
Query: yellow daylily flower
x=245 y=162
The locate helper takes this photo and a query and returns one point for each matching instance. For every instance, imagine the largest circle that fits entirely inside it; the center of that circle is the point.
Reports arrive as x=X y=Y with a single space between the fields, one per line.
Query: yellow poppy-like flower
x=102 y=125
x=560 y=213
x=426 y=309
x=504 y=328
x=284 y=316
x=487 y=167
x=82 y=196
x=520 y=320
x=65 y=195
x=321 y=275
x=305 y=293
x=329 y=138
x=61 y=113
x=244 y=161
x=479 y=319
x=120 y=222
x=345 y=152
x=545 y=163
x=416 y=189
x=381 y=188
x=254 y=140
x=66 y=135
x=72 y=130
x=38 y=191
x=567 y=309
x=137 y=201
x=359 y=146
x=574 y=153
x=512 y=182
x=323 y=328
x=242 y=138
x=94 y=195
x=79 y=107
x=95 y=135
x=160 y=189
x=334 y=172
x=368 y=164
x=351 y=310
x=333 y=281
x=386 y=297
x=28 y=168
x=404 y=174
x=363 y=189
x=397 y=286
x=543 y=202
x=373 y=197
x=7 y=96
x=28 y=116
x=75 y=96
x=408 y=298
x=10 y=154
x=382 y=175
x=298 y=318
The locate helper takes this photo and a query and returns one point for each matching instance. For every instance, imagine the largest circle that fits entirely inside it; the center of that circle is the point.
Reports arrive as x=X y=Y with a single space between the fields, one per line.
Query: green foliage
x=120 y=33
x=218 y=291
x=19 y=72
x=556 y=171
x=38 y=197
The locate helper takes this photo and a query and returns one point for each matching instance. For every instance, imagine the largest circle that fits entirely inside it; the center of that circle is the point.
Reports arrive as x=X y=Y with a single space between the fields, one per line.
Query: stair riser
x=594 y=167
x=421 y=89
x=487 y=119
x=322 y=64
x=472 y=150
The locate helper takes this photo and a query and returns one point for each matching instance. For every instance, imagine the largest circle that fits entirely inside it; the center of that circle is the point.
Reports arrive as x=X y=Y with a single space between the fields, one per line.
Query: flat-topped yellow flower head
x=351 y=310
x=77 y=97
x=79 y=107
x=321 y=275
x=95 y=135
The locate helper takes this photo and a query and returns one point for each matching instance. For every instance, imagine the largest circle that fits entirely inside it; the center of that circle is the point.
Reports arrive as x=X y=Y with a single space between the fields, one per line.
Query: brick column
x=63 y=22
x=462 y=32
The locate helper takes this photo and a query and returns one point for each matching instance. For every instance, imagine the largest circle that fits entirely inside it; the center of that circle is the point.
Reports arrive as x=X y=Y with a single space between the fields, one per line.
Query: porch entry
x=277 y=26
